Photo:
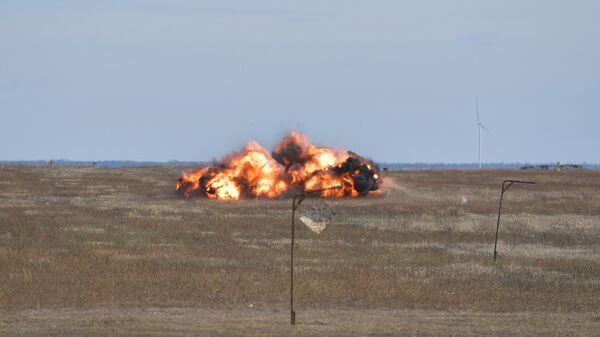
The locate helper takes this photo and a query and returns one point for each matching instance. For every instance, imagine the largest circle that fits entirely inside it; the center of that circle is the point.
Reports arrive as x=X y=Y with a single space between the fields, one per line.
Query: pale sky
x=194 y=80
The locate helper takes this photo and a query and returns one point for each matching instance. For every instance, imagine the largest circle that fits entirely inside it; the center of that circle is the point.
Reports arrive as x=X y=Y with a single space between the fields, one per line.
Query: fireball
x=294 y=165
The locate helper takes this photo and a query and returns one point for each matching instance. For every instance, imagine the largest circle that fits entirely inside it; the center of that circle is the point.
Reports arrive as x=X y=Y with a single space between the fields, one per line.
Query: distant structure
x=558 y=167
x=479 y=127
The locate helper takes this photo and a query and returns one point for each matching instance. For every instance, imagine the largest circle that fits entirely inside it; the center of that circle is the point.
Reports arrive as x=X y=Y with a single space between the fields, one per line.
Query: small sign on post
x=317 y=217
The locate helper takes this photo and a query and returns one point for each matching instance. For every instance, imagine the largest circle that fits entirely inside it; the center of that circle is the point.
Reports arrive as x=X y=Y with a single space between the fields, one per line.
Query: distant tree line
x=388 y=166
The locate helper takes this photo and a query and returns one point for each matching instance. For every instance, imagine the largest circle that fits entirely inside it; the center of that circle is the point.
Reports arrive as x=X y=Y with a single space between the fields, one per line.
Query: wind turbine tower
x=479 y=127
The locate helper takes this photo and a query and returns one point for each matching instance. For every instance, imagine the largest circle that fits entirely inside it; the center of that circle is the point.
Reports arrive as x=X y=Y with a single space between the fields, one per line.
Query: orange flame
x=295 y=164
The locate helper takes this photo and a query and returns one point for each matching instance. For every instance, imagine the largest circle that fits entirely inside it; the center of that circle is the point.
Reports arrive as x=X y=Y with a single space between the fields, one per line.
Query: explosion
x=294 y=165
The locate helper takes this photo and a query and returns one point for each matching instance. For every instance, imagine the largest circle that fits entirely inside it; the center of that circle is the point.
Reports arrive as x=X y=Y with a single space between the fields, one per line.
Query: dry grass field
x=113 y=252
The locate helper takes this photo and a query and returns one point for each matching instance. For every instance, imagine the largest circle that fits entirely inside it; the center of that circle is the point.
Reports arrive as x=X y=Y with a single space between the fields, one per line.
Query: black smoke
x=364 y=173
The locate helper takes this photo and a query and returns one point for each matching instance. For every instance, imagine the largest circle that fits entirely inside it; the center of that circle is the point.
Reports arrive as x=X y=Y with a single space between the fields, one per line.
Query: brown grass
x=93 y=238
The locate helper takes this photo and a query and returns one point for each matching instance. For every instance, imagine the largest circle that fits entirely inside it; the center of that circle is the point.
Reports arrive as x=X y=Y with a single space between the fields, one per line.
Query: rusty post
x=300 y=196
x=506 y=184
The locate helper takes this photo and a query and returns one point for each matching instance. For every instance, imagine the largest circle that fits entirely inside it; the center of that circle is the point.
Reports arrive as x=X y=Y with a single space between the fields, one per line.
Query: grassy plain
x=95 y=251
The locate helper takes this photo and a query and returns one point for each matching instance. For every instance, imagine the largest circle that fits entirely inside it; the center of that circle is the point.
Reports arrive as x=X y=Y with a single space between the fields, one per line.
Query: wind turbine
x=479 y=127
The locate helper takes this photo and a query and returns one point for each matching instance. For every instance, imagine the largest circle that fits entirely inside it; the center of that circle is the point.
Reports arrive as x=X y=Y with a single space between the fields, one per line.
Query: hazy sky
x=194 y=80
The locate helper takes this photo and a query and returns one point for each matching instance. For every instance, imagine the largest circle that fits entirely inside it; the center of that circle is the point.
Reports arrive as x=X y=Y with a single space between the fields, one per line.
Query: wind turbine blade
x=483 y=126
x=477 y=108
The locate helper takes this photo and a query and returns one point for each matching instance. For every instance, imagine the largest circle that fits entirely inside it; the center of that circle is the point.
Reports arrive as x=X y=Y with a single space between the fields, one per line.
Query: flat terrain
x=98 y=251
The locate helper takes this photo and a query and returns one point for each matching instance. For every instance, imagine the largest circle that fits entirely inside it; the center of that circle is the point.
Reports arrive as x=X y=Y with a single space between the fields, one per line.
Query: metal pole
x=295 y=205
x=299 y=197
x=498 y=223
x=292 y=313
x=506 y=184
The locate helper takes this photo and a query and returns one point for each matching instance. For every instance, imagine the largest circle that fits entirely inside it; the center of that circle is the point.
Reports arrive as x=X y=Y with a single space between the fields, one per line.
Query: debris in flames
x=295 y=164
